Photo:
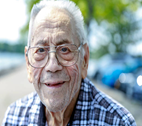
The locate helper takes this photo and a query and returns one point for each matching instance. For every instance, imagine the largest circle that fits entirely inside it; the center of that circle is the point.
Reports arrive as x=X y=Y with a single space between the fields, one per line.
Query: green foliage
x=30 y=4
x=18 y=48
x=110 y=10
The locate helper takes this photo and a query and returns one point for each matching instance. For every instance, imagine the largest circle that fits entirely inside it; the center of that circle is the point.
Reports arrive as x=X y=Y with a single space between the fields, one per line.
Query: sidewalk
x=12 y=87
x=15 y=85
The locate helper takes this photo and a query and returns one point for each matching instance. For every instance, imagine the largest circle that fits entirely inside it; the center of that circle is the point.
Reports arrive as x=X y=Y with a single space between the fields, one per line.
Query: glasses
x=67 y=55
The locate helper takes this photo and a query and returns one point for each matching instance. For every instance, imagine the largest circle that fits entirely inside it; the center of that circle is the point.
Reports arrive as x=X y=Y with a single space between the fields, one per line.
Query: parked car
x=127 y=83
x=111 y=66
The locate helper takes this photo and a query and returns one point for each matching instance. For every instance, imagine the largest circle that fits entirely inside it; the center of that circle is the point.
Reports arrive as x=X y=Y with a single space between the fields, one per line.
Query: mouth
x=55 y=84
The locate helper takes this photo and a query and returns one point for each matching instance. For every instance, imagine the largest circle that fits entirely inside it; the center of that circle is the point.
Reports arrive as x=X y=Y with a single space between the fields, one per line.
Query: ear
x=85 y=61
x=28 y=65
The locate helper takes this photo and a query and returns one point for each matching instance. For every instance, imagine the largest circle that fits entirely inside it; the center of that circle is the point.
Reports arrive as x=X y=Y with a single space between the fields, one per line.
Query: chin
x=56 y=106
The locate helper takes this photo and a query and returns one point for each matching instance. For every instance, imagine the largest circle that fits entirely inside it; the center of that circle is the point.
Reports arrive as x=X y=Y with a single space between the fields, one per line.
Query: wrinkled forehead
x=53 y=14
x=53 y=21
x=52 y=18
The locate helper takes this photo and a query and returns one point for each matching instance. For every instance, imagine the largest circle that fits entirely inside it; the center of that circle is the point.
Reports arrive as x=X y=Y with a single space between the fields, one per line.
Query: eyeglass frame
x=78 y=49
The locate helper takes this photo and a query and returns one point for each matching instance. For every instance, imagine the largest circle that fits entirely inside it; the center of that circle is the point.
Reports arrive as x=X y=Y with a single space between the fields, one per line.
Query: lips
x=55 y=84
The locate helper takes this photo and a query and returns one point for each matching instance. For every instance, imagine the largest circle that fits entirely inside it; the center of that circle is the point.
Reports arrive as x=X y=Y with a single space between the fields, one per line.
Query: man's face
x=55 y=84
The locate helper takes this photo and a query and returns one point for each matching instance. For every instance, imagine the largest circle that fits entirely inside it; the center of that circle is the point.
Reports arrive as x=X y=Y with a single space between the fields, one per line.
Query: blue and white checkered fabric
x=93 y=108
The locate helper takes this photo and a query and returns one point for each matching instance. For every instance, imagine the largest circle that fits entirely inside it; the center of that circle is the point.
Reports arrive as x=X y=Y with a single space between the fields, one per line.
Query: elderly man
x=57 y=60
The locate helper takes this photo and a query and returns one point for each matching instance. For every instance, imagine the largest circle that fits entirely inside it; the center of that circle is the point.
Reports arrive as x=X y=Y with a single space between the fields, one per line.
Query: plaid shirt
x=92 y=108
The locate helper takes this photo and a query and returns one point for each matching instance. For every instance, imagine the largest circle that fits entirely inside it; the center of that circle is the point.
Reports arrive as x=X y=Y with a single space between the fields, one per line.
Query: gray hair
x=62 y=4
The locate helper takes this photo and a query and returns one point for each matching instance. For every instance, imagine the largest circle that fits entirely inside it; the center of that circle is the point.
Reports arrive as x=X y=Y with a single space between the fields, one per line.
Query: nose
x=52 y=64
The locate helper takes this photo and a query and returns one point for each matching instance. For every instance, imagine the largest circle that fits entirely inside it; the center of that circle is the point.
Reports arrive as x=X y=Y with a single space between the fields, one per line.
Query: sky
x=12 y=18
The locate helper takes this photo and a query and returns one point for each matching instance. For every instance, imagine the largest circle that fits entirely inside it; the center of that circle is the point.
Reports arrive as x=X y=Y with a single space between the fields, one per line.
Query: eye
x=41 y=50
x=64 y=50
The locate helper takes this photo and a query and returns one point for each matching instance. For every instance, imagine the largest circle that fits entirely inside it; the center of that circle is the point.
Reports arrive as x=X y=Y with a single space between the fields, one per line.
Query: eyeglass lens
x=66 y=55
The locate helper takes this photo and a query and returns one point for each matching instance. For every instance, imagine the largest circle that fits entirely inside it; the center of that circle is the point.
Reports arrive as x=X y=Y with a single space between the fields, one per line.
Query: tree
x=119 y=18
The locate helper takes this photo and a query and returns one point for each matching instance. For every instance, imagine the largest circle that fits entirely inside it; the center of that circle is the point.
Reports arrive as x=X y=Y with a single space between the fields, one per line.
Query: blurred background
x=114 y=30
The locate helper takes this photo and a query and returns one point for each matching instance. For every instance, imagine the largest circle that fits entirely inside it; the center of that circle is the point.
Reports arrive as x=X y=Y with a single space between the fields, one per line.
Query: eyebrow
x=63 y=42
x=43 y=42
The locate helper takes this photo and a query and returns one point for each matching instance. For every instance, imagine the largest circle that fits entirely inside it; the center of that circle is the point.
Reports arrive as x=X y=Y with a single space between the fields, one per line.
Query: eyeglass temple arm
x=79 y=48
x=27 y=51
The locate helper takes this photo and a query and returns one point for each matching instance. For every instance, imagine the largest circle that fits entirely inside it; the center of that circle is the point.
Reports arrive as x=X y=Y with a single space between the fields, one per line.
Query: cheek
x=36 y=77
x=75 y=78
x=73 y=71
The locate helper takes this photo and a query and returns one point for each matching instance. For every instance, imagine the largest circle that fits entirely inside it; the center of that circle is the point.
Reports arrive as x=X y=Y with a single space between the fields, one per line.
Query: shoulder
x=105 y=109
x=24 y=103
x=20 y=110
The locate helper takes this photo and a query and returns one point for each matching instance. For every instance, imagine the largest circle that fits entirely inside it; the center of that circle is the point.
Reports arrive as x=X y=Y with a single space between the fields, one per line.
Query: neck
x=61 y=118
